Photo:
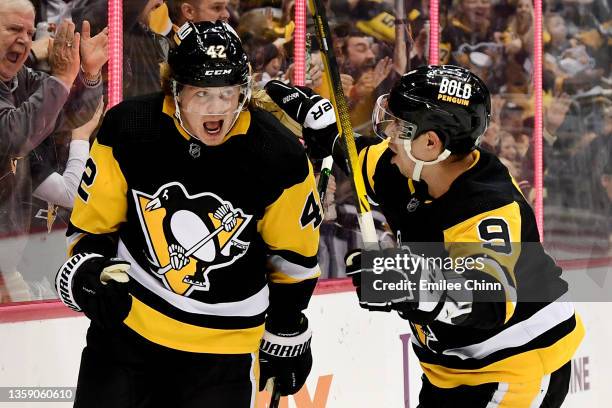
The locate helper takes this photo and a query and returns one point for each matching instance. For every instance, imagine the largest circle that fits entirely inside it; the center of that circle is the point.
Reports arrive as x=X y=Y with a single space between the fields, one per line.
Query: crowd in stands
x=52 y=86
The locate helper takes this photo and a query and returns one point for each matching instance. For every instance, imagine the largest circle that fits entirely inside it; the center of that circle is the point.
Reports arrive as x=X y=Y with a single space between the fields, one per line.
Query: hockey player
x=510 y=346
x=193 y=241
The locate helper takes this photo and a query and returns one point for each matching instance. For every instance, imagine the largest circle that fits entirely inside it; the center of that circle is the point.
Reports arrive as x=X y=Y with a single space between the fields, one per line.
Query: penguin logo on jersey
x=188 y=236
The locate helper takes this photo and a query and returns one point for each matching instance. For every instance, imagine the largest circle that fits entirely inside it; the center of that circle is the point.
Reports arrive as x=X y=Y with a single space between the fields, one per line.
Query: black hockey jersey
x=162 y=200
x=523 y=336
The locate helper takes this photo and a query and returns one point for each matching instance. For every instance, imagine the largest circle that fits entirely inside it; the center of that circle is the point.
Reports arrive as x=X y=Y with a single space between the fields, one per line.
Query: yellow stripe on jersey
x=372 y=156
x=500 y=232
x=240 y=127
x=256 y=374
x=282 y=230
x=106 y=205
x=420 y=333
x=281 y=277
x=476 y=156
x=521 y=367
x=161 y=329
x=517 y=186
x=411 y=187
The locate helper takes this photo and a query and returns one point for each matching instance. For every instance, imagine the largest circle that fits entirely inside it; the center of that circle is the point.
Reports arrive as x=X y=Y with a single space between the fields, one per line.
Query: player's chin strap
x=418 y=164
x=177 y=111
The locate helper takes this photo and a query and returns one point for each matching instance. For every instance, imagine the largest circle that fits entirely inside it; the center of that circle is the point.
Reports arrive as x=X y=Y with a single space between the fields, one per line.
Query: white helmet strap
x=418 y=164
x=177 y=111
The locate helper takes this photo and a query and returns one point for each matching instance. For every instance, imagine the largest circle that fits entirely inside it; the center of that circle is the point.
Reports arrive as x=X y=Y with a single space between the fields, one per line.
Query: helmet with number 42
x=211 y=79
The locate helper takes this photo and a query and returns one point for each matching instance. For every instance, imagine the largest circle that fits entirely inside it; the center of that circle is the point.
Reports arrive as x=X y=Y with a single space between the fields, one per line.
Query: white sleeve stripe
x=292 y=269
x=253 y=380
x=518 y=334
x=544 y=384
x=498 y=395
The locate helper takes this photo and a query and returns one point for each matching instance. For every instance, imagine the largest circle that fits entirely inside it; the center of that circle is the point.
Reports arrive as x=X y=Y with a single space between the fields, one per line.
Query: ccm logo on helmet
x=217 y=71
x=455 y=92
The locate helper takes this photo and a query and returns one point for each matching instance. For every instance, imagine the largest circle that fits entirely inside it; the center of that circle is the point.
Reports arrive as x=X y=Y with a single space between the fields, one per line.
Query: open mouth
x=12 y=56
x=213 y=127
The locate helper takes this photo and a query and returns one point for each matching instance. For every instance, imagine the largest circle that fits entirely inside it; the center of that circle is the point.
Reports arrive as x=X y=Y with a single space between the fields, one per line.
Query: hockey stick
x=347 y=137
x=324 y=178
x=276 y=396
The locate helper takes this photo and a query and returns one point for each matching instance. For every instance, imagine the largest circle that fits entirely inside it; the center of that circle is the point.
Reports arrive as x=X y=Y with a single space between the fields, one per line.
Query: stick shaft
x=343 y=121
x=194 y=248
x=276 y=396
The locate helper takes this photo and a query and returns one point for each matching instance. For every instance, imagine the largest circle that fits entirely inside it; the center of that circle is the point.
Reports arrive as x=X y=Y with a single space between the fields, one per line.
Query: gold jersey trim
x=280 y=226
x=371 y=156
x=161 y=329
x=106 y=205
x=519 y=368
x=459 y=237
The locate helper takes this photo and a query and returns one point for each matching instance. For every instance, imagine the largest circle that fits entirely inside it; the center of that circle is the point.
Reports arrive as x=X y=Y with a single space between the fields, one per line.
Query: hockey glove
x=313 y=112
x=97 y=286
x=381 y=287
x=285 y=355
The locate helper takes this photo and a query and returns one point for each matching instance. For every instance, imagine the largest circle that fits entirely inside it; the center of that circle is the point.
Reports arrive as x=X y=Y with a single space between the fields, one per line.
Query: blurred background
x=374 y=46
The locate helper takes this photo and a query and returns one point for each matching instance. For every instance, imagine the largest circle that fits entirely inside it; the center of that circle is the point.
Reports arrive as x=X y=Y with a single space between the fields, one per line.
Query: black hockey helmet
x=208 y=54
x=446 y=99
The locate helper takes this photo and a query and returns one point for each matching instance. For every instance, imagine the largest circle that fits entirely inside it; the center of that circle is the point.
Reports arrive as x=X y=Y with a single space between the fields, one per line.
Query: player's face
x=423 y=147
x=400 y=156
x=209 y=113
x=16 y=32
x=210 y=10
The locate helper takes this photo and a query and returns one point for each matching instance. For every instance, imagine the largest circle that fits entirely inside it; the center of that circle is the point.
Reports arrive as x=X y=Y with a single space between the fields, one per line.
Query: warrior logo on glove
x=189 y=236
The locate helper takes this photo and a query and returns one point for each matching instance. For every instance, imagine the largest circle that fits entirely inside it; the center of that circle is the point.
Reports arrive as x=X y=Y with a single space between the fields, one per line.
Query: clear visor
x=214 y=101
x=386 y=125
